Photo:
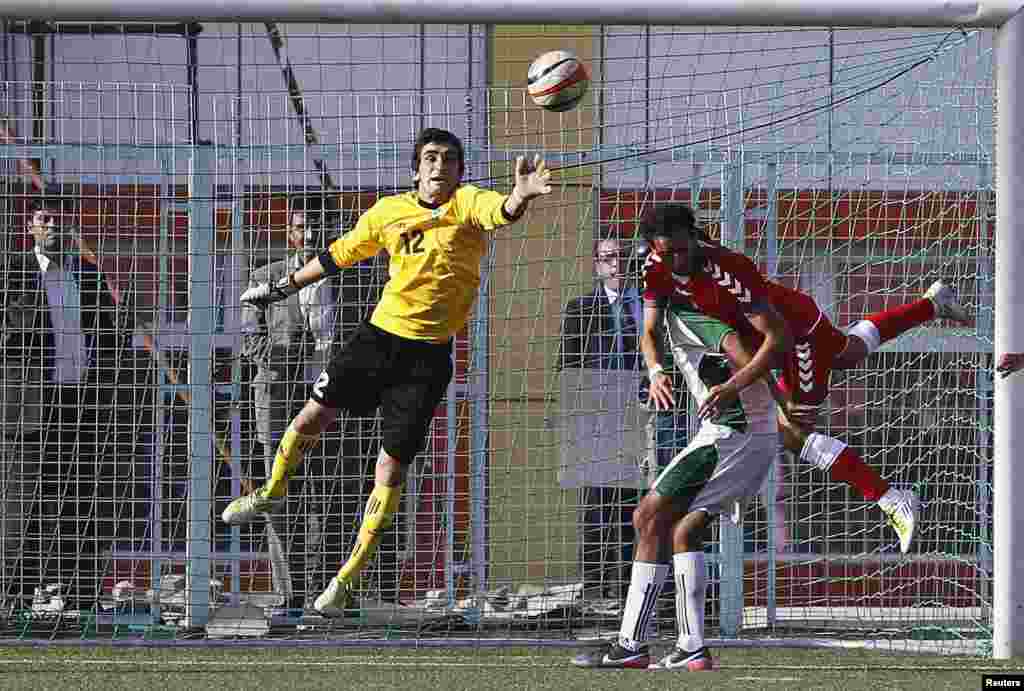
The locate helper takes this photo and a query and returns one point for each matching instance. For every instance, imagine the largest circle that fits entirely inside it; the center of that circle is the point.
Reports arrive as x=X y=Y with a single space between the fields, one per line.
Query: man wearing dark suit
x=67 y=485
x=604 y=427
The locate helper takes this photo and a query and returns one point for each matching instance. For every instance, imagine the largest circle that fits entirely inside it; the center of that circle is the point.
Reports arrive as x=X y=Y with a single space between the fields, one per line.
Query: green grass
x=444 y=669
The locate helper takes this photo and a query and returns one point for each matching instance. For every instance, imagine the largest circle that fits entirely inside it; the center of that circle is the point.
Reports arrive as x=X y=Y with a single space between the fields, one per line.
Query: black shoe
x=614 y=656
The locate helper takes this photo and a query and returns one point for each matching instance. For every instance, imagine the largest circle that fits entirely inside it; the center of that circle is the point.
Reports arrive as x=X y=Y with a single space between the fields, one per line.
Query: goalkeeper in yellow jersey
x=400 y=358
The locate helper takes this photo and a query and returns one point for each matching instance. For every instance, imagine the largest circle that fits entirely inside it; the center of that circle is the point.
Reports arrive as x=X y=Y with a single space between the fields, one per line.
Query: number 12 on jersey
x=412 y=242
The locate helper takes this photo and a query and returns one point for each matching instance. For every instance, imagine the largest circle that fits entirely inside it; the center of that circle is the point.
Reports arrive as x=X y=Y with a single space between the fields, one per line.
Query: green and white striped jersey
x=696 y=342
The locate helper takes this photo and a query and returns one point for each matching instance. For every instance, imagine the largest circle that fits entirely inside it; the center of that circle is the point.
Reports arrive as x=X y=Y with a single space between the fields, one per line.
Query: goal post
x=1008 y=481
x=859 y=168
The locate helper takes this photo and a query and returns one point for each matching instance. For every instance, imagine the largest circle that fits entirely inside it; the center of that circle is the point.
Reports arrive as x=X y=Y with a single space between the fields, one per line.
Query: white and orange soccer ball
x=557 y=81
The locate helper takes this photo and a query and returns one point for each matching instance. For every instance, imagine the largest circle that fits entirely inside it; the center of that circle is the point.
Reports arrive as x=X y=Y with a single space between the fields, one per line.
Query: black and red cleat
x=614 y=656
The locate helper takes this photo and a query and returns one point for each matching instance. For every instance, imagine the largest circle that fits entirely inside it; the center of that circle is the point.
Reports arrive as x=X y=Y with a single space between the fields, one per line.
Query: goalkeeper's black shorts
x=405 y=378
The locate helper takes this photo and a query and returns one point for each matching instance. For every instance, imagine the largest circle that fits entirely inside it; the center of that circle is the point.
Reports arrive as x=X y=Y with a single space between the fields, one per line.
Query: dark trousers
x=75 y=487
x=606 y=548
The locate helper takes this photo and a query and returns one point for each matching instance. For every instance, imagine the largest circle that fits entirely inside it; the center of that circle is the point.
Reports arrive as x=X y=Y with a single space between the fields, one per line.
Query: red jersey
x=729 y=288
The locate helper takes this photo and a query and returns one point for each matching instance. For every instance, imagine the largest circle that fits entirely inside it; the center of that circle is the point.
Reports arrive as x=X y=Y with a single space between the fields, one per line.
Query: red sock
x=851 y=469
x=891 y=323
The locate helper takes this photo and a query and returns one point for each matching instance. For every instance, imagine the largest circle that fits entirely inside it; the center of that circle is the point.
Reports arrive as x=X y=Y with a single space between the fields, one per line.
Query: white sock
x=821 y=451
x=891 y=497
x=691 y=579
x=641 y=602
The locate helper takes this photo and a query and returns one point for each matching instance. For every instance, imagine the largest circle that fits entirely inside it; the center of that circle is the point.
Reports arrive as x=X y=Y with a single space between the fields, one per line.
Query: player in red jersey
x=685 y=267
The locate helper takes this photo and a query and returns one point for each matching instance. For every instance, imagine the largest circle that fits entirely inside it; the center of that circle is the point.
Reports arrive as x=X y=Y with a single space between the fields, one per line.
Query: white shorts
x=720 y=468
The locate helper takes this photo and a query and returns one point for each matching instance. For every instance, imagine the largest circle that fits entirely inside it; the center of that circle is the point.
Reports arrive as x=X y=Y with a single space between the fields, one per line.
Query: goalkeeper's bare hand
x=263 y=294
x=532 y=179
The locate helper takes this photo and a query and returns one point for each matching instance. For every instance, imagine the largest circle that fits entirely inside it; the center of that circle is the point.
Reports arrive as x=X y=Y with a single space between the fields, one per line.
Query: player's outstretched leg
x=946 y=304
x=378 y=516
x=901 y=507
x=270 y=496
x=938 y=302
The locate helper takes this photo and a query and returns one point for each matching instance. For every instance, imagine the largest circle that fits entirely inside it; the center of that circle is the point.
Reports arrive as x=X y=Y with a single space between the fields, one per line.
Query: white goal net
x=856 y=165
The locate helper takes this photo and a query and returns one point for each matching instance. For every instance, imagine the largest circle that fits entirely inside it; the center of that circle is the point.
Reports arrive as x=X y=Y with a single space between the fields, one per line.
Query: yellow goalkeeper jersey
x=435 y=253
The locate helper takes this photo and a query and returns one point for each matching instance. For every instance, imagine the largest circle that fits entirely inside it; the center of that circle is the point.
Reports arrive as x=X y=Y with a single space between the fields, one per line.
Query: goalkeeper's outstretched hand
x=532 y=179
x=263 y=294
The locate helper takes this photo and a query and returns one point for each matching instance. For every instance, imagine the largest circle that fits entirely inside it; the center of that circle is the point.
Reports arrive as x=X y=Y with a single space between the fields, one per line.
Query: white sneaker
x=247 y=508
x=901 y=508
x=335 y=600
x=946 y=305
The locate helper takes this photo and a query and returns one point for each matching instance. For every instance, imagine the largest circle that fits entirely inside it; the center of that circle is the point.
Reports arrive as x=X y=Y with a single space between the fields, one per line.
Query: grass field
x=443 y=669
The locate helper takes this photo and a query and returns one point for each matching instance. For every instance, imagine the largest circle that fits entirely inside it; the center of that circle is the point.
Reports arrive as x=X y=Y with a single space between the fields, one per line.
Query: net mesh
x=852 y=164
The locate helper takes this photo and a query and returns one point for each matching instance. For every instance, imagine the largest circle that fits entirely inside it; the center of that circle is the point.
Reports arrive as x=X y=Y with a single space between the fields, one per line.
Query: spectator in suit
x=67 y=481
x=289 y=343
x=603 y=425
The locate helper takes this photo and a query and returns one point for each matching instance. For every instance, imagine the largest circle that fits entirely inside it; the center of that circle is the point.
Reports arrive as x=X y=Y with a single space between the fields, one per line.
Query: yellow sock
x=288 y=457
x=378 y=517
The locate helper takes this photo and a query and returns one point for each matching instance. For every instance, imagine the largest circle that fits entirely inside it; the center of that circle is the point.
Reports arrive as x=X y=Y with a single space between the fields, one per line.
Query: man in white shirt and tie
x=602 y=423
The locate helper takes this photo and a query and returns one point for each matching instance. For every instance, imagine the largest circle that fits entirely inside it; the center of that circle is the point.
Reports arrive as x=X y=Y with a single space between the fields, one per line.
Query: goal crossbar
x=878 y=13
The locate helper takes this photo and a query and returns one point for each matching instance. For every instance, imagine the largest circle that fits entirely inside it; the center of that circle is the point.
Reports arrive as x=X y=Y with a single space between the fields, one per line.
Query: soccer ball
x=557 y=81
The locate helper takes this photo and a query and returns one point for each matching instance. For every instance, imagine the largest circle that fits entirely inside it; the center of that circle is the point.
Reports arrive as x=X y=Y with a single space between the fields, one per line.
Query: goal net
x=855 y=165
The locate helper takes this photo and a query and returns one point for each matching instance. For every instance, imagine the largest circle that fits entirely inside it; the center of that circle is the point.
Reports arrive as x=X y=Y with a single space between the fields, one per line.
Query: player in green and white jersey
x=724 y=464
